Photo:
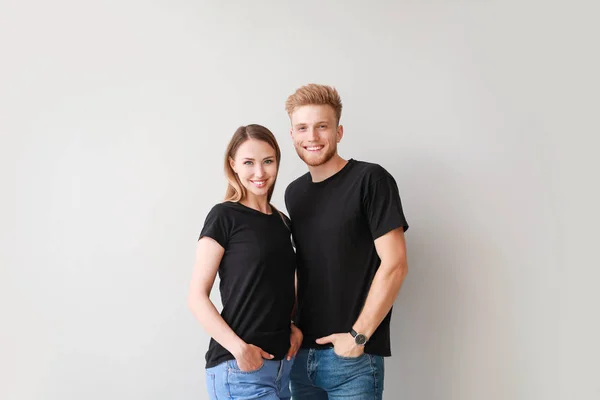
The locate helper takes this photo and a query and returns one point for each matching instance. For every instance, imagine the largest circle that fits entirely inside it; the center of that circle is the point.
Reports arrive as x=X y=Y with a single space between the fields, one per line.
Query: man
x=348 y=227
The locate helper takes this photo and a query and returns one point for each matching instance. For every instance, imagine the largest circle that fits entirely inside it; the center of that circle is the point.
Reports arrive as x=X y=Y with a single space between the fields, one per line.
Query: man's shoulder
x=299 y=182
x=369 y=172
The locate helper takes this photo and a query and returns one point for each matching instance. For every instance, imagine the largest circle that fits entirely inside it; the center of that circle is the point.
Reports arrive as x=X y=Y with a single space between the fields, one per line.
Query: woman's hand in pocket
x=295 y=342
x=251 y=358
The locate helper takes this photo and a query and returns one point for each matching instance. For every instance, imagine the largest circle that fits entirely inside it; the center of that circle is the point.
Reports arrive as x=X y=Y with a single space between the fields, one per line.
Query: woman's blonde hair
x=235 y=190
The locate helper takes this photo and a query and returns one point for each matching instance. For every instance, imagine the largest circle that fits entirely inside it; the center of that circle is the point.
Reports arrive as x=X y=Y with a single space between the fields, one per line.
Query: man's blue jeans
x=323 y=375
x=269 y=382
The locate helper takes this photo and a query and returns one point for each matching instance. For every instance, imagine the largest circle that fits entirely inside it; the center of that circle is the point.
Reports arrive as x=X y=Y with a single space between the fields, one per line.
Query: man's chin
x=312 y=161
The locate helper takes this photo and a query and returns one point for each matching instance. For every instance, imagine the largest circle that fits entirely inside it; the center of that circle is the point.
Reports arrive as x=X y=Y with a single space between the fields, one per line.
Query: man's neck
x=327 y=170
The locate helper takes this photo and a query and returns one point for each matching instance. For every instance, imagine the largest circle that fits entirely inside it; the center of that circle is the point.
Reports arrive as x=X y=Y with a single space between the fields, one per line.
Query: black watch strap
x=359 y=338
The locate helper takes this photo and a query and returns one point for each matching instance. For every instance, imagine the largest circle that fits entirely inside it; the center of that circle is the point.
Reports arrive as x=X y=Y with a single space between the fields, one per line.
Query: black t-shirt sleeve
x=217 y=226
x=383 y=206
x=286 y=198
x=288 y=224
x=287 y=221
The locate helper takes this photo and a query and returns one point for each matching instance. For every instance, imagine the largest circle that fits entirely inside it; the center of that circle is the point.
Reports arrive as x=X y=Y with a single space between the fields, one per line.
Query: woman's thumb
x=266 y=355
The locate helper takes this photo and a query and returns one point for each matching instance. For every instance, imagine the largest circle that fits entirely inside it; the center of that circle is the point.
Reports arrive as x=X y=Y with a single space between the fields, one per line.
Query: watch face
x=360 y=339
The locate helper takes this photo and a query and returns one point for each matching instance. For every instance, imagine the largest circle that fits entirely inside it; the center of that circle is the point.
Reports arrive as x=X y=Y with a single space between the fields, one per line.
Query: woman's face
x=256 y=166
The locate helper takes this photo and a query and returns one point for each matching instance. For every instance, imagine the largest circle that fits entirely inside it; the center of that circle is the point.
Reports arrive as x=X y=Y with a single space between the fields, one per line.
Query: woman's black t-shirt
x=257 y=277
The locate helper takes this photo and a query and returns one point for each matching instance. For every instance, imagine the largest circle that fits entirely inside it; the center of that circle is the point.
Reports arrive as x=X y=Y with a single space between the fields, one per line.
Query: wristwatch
x=359 y=338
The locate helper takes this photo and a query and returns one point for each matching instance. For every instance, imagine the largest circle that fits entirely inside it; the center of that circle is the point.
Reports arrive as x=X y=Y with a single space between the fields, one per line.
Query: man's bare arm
x=386 y=284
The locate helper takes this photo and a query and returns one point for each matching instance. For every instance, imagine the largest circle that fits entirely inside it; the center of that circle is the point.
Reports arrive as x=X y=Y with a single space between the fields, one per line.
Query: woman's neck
x=259 y=203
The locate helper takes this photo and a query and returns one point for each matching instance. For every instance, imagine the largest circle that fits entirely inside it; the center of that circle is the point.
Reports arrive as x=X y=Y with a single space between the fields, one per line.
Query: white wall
x=114 y=117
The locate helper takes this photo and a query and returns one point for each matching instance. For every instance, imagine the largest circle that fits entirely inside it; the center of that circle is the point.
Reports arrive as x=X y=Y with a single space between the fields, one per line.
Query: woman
x=247 y=241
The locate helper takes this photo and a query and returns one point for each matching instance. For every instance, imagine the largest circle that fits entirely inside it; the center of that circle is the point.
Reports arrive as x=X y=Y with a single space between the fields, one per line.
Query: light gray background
x=114 y=116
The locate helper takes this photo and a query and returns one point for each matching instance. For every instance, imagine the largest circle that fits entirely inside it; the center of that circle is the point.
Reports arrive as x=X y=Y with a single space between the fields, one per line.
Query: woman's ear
x=232 y=164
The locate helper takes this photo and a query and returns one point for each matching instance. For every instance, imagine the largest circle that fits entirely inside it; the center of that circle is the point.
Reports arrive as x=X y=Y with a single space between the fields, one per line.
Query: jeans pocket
x=233 y=367
x=363 y=355
x=260 y=383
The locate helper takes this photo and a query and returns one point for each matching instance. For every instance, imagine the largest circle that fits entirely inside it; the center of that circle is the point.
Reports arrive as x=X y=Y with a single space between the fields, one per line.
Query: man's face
x=315 y=133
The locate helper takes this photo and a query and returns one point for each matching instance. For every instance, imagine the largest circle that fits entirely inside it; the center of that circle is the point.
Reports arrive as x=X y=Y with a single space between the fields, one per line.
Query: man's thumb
x=324 y=340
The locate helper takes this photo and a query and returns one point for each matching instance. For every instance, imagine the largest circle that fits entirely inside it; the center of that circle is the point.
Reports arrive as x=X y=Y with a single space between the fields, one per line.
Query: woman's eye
x=248 y=163
x=268 y=161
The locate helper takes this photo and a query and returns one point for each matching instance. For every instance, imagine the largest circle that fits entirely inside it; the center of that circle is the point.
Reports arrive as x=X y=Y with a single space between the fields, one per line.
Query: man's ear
x=340 y=133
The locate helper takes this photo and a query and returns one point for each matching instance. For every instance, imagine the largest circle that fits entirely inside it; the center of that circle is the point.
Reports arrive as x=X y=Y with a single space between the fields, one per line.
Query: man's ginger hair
x=314 y=94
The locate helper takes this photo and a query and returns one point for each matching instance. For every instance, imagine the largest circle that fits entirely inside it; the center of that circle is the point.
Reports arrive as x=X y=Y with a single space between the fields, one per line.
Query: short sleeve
x=287 y=221
x=288 y=225
x=286 y=198
x=384 y=207
x=216 y=226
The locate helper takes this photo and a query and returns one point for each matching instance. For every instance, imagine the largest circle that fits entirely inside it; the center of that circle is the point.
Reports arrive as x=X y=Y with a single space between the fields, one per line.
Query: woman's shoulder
x=285 y=217
x=222 y=210
x=286 y=220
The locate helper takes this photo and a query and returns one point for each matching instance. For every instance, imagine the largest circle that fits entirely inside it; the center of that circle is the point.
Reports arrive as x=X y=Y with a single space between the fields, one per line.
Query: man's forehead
x=312 y=114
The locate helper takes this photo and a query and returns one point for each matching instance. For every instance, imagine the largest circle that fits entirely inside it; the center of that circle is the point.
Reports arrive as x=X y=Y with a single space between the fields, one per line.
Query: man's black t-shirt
x=334 y=225
x=257 y=277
